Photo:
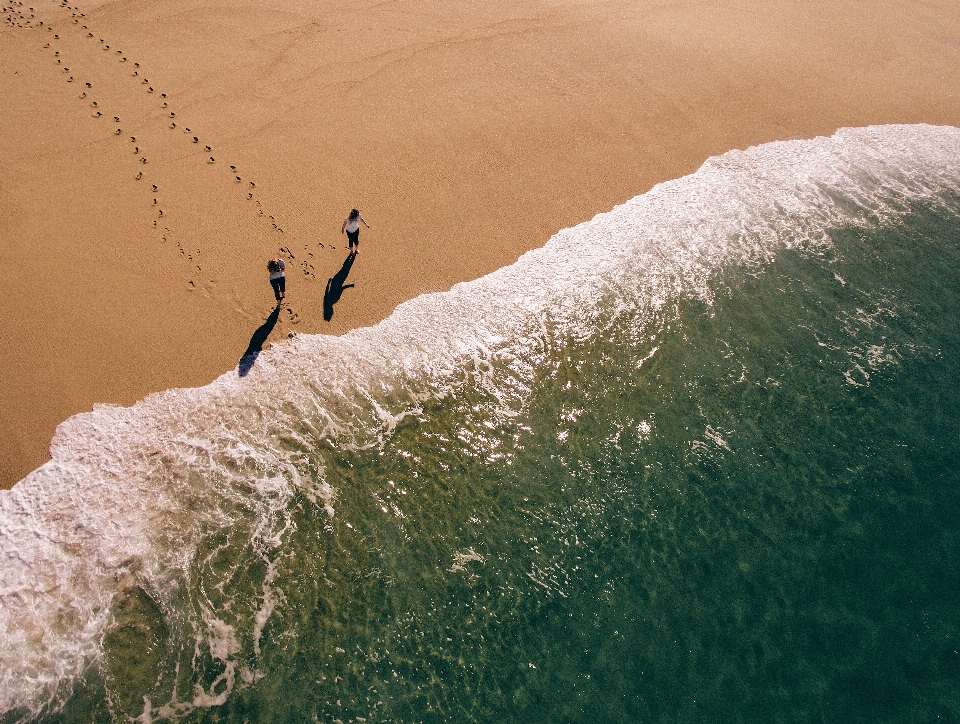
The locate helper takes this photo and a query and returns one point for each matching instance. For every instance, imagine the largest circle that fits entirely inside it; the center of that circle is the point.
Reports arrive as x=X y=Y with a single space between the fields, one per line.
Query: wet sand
x=155 y=155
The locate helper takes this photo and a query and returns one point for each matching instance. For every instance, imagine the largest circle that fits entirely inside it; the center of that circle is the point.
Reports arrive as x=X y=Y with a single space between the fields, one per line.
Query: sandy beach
x=155 y=155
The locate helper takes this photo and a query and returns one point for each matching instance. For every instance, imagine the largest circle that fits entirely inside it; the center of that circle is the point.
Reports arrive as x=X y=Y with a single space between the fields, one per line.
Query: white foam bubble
x=134 y=492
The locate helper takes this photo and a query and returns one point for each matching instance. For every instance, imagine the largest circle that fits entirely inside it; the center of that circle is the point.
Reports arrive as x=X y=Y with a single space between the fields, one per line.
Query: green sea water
x=738 y=509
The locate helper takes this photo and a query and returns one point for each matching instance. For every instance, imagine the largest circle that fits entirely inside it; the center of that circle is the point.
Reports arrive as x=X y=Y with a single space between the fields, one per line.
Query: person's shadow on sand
x=256 y=343
x=335 y=287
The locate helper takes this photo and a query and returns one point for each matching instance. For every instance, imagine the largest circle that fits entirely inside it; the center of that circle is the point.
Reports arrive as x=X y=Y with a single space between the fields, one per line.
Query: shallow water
x=702 y=469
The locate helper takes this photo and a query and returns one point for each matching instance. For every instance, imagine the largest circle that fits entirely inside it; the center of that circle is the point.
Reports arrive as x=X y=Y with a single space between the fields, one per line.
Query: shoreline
x=465 y=139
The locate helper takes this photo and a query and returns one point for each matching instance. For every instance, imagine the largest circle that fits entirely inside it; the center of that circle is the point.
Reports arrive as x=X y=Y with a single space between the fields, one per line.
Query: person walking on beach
x=351 y=225
x=277 y=279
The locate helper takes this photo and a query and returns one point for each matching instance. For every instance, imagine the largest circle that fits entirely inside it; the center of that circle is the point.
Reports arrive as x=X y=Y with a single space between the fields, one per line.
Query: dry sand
x=466 y=132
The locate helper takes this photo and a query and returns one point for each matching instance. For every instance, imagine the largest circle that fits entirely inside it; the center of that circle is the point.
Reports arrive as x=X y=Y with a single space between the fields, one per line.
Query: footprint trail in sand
x=162 y=136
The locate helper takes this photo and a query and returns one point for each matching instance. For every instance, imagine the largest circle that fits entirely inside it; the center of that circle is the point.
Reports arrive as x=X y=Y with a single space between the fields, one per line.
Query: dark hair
x=273 y=265
x=354 y=214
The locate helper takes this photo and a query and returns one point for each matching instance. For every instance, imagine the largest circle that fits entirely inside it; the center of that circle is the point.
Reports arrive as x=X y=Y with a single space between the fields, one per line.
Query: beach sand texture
x=154 y=155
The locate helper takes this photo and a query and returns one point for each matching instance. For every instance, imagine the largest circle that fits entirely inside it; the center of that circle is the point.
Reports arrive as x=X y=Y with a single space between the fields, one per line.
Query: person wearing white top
x=351 y=226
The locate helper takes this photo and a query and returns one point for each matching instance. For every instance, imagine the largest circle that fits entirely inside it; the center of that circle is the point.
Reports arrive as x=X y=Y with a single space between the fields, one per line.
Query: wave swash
x=132 y=495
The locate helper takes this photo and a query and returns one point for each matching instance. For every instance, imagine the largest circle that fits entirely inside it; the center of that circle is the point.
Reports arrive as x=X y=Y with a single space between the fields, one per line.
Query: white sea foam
x=133 y=493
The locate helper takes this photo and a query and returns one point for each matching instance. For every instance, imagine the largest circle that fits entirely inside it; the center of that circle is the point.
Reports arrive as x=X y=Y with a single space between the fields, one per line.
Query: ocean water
x=694 y=460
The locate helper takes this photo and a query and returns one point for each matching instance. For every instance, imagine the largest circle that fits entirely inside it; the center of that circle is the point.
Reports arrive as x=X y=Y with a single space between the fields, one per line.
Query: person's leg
x=283 y=287
x=275 y=283
x=354 y=237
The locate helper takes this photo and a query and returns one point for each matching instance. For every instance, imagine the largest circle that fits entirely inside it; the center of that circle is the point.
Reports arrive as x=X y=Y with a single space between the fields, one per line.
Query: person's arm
x=360 y=216
x=343 y=228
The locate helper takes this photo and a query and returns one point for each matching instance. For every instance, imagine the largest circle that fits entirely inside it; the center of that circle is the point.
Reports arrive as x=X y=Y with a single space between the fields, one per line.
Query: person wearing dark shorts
x=277 y=279
x=351 y=226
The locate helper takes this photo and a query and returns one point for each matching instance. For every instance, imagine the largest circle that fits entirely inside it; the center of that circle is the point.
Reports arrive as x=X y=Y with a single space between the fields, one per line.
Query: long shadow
x=335 y=287
x=256 y=343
